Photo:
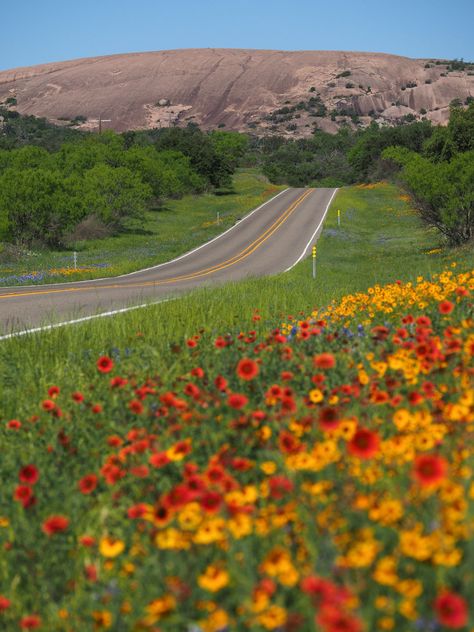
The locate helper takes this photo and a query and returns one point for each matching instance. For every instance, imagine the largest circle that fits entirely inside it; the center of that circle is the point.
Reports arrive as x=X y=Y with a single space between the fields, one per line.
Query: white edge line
x=315 y=232
x=84 y=319
x=159 y=265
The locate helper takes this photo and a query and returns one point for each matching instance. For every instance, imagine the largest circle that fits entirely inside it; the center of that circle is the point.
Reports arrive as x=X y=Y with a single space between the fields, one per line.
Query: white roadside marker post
x=338 y=217
x=218 y=218
x=75 y=260
x=314 y=262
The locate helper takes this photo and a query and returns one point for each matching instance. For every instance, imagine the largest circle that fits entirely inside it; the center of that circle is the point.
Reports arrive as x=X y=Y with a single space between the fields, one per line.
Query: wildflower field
x=316 y=475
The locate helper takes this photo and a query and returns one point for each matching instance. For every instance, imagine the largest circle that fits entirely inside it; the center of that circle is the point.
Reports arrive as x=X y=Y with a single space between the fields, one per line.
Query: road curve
x=267 y=241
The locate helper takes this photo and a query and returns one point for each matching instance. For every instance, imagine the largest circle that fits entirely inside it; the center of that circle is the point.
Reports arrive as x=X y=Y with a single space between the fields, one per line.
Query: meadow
x=278 y=454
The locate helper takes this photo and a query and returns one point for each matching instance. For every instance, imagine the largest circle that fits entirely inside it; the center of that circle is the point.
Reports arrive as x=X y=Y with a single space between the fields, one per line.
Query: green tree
x=456 y=138
x=37 y=206
x=198 y=147
x=364 y=157
x=230 y=146
x=443 y=192
x=115 y=195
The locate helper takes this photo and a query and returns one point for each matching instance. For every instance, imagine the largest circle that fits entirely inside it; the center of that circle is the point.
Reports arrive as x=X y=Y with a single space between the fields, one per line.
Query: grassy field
x=207 y=465
x=380 y=241
x=166 y=233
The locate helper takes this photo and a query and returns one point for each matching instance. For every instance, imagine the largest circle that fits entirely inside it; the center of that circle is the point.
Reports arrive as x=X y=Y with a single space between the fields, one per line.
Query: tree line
x=58 y=183
x=435 y=164
x=93 y=182
x=440 y=179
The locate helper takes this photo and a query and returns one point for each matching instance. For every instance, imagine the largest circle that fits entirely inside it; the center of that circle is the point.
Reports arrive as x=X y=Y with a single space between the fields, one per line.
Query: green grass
x=166 y=233
x=380 y=240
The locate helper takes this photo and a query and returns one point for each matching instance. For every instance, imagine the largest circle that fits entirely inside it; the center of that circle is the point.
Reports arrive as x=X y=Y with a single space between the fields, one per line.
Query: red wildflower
x=23 y=494
x=215 y=473
x=288 y=405
x=280 y=486
x=329 y=418
x=321 y=590
x=96 y=409
x=14 y=424
x=451 y=610
x=423 y=321
x=114 y=441
x=241 y=464
x=380 y=332
x=48 y=405
x=179 y=496
x=324 y=361
x=29 y=474
x=192 y=390
x=332 y=619
x=429 y=469
x=220 y=383
x=87 y=540
x=111 y=473
x=4 y=603
x=415 y=398
x=237 y=401
x=105 y=364
x=364 y=444
x=211 y=501
x=445 y=307
x=30 y=622
x=90 y=571
x=140 y=471
x=136 y=406
x=55 y=524
x=288 y=443
x=160 y=459
x=195 y=484
x=117 y=382
x=247 y=369
x=53 y=391
x=137 y=511
x=77 y=397
x=220 y=342
x=87 y=484
x=191 y=343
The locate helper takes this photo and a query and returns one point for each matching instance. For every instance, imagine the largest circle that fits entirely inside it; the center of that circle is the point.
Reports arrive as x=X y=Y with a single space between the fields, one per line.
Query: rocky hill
x=246 y=90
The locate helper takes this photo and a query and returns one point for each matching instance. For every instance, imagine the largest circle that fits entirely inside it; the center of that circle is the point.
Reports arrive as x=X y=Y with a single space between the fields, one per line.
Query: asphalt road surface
x=267 y=241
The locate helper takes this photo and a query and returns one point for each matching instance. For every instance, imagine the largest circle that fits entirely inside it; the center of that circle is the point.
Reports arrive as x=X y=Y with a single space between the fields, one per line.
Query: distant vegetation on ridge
x=58 y=185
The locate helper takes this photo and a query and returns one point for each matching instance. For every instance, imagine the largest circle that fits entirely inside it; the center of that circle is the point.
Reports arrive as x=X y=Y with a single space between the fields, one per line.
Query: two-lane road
x=267 y=241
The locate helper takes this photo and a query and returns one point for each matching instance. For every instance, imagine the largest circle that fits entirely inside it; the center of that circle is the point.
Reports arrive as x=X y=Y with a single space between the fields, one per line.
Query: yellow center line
x=243 y=254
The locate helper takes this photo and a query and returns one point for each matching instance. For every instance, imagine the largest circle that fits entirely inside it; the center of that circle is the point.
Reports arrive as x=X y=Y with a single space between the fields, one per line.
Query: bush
x=90 y=227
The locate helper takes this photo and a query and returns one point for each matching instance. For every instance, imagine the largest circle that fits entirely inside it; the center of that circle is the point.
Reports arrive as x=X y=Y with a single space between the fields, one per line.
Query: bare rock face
x=263 y=92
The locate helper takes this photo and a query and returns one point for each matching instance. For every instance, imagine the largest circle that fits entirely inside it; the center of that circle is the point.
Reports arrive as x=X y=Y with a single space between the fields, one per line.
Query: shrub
x=92 y=227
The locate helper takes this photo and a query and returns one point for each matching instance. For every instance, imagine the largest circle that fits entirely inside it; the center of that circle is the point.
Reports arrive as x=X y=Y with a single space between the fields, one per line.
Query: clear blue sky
x=37 y=31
